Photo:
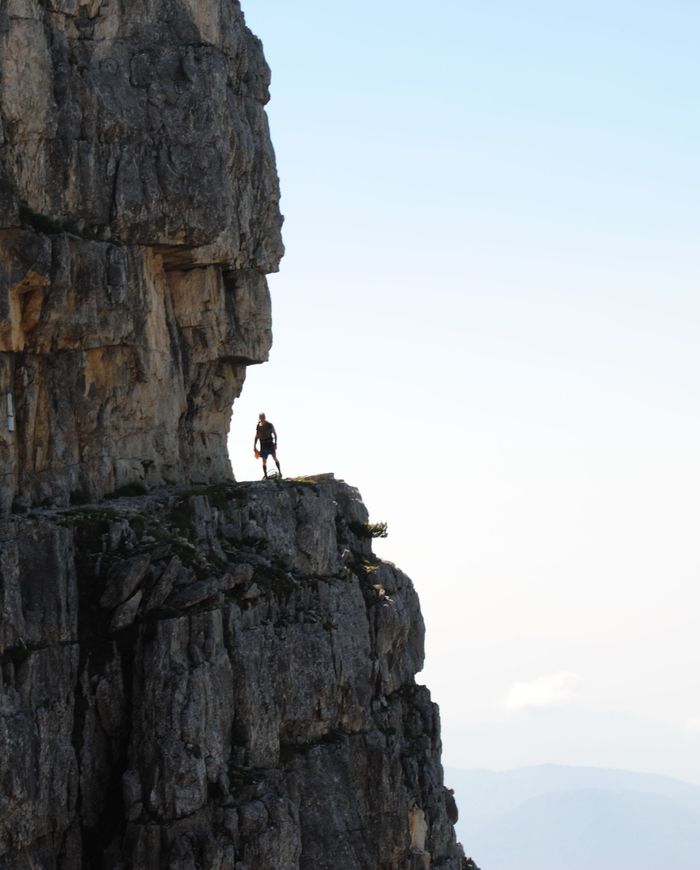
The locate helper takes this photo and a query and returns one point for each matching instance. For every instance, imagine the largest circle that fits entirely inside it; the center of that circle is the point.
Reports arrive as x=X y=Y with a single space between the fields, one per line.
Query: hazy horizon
x=550 y=818
x=487 y=321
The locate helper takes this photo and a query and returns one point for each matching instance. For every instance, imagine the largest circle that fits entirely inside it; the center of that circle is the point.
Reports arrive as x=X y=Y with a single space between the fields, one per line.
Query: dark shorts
x=267 y=448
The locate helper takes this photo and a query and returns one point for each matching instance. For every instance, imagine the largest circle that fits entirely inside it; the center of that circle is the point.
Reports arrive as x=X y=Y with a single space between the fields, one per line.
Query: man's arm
x=273 y=431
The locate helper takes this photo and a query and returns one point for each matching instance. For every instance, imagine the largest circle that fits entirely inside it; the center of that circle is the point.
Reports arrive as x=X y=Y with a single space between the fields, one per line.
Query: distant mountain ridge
x=570 y=818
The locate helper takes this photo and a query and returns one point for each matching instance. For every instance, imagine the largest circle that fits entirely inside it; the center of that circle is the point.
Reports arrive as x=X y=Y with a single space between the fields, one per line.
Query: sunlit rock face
x=138 y=219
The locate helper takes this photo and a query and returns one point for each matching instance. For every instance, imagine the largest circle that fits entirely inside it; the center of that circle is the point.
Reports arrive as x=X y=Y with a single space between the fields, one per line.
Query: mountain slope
x=562 y=818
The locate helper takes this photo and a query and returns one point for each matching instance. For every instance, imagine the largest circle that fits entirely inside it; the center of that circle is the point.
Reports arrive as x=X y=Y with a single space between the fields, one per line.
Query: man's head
x=261 y=417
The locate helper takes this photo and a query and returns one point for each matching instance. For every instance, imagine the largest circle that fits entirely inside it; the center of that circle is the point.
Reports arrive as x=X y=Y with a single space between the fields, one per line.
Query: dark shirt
x=264 y=432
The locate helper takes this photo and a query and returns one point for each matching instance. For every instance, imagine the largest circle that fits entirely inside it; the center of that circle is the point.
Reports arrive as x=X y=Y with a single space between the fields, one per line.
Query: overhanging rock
x=138 y=218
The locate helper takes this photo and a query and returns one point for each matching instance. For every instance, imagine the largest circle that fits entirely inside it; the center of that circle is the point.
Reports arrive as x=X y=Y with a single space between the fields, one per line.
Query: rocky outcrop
x=220 y=678
x=217 y=678
x=138 y=218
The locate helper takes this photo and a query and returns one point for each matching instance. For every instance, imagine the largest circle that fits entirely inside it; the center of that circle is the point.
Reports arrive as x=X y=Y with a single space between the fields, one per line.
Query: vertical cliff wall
x=208 y=678
x=138 y=218
x=216 y=679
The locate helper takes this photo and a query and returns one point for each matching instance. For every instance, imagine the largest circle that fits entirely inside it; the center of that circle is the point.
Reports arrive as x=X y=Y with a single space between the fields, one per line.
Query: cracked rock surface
x=138 y=218
x=194 y=674
x=215 y=678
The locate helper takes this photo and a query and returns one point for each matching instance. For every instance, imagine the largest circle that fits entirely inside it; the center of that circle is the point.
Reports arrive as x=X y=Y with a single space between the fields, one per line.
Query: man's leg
x=264 y=466
x=274 y=456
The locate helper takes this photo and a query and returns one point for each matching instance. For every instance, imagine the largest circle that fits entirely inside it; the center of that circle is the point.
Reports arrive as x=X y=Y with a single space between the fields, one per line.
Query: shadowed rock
x=262 y=716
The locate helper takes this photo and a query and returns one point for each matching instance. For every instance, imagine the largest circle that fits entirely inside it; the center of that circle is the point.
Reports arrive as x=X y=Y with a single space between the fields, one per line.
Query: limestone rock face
x=219 y=679
x=138 y=219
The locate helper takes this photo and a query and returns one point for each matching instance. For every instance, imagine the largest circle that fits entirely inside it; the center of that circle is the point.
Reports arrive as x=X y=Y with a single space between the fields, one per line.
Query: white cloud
x=551 y=690
x=692 y=724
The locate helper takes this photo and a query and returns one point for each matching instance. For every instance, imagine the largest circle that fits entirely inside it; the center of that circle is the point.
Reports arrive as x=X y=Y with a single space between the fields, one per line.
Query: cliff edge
x=203 y=675
x=221 y=678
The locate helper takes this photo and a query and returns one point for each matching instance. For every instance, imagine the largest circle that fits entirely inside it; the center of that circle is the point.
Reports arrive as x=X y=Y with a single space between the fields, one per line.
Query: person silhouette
x=266 y=434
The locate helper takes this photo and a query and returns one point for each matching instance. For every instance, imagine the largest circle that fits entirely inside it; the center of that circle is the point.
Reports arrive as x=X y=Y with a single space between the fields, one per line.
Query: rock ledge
x=215 y=678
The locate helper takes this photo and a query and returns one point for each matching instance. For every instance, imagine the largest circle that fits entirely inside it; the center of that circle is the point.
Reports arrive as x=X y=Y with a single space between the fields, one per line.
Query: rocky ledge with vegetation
x=220 y=677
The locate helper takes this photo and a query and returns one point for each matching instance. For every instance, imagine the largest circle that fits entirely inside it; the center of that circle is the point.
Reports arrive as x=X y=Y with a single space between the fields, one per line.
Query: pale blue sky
x=488 y=320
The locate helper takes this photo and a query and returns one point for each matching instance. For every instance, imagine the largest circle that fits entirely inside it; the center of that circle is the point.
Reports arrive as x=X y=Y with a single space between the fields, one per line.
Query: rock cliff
x=138 y=218
x=203 y=675
x=215 y=679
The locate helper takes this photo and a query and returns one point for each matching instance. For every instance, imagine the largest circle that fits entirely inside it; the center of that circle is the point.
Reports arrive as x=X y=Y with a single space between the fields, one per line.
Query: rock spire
x=138 y=219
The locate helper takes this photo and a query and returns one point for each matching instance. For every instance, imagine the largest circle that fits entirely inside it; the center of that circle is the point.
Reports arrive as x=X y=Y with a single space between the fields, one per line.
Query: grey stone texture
x=138 y=218
x=208 y=678
x=221 y=679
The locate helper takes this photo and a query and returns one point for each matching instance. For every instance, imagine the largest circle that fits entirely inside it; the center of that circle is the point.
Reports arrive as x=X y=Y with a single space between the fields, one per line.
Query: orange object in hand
x=257 y=452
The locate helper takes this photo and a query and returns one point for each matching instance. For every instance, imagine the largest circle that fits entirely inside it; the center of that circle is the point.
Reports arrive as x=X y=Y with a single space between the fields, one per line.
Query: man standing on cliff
x=267 y=436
